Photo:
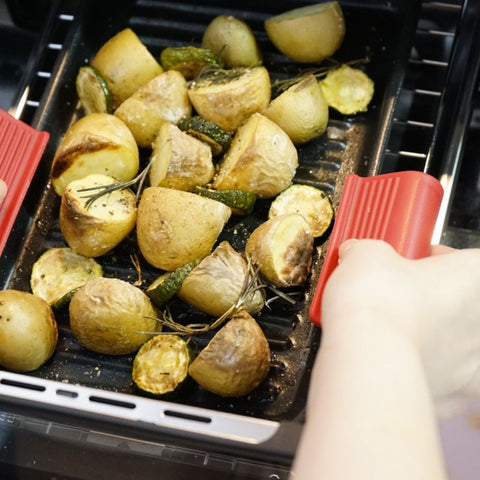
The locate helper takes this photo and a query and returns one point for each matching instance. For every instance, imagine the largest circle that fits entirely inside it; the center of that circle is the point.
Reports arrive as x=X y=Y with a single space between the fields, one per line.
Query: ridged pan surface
x=379 y=31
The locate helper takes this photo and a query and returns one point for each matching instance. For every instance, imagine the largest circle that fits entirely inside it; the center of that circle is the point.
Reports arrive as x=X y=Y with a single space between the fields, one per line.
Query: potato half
x=233 y=40
x=308 y=34
x=108 y=316
x=180 y=161
x=126 y=64
x=229 y=97
x=95 y=229
x=301 y=110
x=262 y=159
x=235 y=361
x=176 y=227
x=28 y=331
x=218 y=281
x=282 y=247
x=97 y=143
x=162 y=99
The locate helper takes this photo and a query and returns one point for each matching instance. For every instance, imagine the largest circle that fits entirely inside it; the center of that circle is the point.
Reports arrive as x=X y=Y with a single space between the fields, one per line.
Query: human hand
x=3 y=190
x=434 y=302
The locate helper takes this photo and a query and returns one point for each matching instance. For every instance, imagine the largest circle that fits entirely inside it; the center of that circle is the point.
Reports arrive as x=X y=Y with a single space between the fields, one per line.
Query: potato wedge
x=28 y=331
x=262 y=159
x=235 y=361
x=126 y=64
x=176 y=227
x=233 y=40
x=282 y=248
x=162 y=99
x=97 y=143
x=308 y=34
x=180 y=161
x=229 y=97
x=218 y=281
x=108 y=315
x=301 y=110
x=95 y=229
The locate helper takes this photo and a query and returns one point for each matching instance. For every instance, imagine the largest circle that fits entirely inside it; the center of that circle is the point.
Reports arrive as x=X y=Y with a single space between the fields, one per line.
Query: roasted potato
x=97 y=143
x=301 y=110
x=180 y=161
x=229 y=97
x=261 y=159
x=176 y=227
x=126 y=64
x=308 y=34
x=233 y=40
x=235 y=361
x=111 y=316
x=162 y=99
x=218 y=281
x=28 y=331
x=282 y=248
x=95 y=229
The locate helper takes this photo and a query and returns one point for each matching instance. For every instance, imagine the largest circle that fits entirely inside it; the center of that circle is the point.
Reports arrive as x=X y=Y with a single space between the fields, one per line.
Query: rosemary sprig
x=102 y=190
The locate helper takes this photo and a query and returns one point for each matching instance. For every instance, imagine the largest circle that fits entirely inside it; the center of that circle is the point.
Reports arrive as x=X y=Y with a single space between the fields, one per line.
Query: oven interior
x=413 y=51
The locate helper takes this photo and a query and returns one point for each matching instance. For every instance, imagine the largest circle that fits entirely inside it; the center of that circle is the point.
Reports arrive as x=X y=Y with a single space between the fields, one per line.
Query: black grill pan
x=90 y=388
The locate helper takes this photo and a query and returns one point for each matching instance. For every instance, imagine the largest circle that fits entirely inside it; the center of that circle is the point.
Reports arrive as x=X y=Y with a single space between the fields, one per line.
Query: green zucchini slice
x=164 y=288
x=240 y=201
x=161 y=365
x=310 y=202
x=189 y=60
x=209 y=132
x=59 y=272
x=92 y=91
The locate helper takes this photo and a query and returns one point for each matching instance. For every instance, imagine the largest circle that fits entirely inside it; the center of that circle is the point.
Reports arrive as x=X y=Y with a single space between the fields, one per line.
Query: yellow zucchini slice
x=59 y=272
x=161 y=365
x=92 y=90
x=189 y=60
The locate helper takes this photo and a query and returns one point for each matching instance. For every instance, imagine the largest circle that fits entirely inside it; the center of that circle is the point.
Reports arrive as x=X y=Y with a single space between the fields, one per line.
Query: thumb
x=368 y=247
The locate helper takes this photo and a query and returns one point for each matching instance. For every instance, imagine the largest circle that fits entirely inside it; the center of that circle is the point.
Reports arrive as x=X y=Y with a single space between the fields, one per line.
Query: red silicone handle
x=400 y=208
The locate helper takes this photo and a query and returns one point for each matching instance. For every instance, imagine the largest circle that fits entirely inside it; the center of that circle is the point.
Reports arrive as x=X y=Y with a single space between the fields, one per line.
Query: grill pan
x=94 y=390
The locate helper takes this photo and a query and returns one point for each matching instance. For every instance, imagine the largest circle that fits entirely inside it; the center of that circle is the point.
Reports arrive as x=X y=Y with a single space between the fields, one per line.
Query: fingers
x=3 y=190
x=368 y=247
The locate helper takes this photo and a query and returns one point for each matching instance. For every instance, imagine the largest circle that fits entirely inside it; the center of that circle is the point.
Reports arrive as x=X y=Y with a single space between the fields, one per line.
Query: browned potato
x=217 y=282
x=93 y=230
x=229 y=97
x=235 y=361
x=108 y=316
x=28 y=331
x=126 y=64
x=261 y=159
x=180 y=161
x=176 y=227
x=282 y=247
x=162 y=99
x=97 y=143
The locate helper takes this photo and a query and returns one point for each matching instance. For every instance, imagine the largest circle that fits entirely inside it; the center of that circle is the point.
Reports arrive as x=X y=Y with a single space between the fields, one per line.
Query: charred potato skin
x=284 y=260
x=28 y=331
x=236 y=360
x=97 y=143
x=107 y=314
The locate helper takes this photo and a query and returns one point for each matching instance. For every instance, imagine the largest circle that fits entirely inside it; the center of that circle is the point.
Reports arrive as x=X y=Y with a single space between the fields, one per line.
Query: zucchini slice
x=164 y=288
x=59 y=272
x=310 y=202
x=92 y=91
x=209 y=132
x=161 y=365
x=189 y=60
x=240 y=201
x=348 y=90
